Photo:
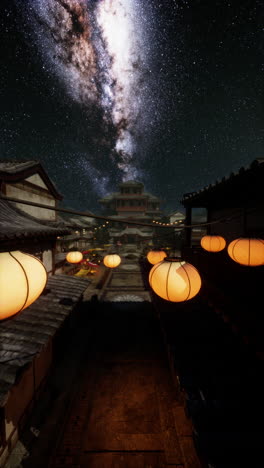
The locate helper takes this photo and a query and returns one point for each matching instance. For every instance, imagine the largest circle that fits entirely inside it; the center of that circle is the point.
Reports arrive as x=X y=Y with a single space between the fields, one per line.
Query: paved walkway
x=114 y=404
x=124 y=411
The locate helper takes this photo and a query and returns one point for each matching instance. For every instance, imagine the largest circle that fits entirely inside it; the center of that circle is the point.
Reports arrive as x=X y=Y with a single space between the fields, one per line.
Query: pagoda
x=131 y=202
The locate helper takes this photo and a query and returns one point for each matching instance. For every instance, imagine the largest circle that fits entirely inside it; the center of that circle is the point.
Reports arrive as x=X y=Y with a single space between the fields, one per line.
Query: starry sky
x=168 y=92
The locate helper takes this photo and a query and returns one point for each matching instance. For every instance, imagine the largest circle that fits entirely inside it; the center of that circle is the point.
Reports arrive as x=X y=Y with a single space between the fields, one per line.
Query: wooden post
x=188 y=231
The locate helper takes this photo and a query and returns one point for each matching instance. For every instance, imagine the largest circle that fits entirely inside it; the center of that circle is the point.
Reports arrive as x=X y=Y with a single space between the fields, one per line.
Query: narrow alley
x=123 y=413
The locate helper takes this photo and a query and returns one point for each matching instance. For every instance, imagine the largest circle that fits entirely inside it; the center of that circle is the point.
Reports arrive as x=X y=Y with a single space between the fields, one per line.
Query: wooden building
x=132 y=202
x=20 y=231
x=176 y=217
x=237 y=200
x=30 y=343
x=28 y=180
x=80 y=236
x=235 y=207
x=34 y=230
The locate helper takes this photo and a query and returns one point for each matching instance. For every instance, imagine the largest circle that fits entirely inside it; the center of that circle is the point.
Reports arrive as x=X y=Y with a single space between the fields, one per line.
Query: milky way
x=96 y=48
x=169 y=92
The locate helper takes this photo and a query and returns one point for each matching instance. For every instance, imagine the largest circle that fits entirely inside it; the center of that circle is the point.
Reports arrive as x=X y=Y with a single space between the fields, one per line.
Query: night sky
x=169 y=92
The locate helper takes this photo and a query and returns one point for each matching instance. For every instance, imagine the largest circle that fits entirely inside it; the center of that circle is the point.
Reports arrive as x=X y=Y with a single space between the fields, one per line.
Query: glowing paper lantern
x=112 y=260
x=156 y=256
x=175 y=280
x=74 y=257
x=22 y=280
x=246 y=251
x=213 y=243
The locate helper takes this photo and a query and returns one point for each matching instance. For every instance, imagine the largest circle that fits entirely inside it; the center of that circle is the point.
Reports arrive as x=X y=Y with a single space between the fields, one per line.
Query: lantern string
x=126 y=221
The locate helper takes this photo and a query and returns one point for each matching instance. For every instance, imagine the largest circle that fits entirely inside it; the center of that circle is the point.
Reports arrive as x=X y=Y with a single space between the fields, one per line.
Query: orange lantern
x=156 y=256
x=213 y=243
x=175 y=280
x=112 y=260
x=74 y=257
x=22 y=279
x=246 y=251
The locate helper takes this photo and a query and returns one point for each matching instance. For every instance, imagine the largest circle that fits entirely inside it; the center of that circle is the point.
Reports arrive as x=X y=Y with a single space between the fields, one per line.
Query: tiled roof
x=12 y=167
x=23 y=336
x=151 y=197
x=133 y=217
x=76 y=237
x=131 y=196
x=233 y=179
x=12 y=171
x=178 y=214
x=109 y=197
x=133 y=231
x=17 y=224
x=130 y=182
x=81 y=222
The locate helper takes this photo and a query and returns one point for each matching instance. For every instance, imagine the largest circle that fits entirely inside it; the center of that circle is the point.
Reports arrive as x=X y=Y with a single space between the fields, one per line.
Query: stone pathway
x=125 y=412
x=118 y=407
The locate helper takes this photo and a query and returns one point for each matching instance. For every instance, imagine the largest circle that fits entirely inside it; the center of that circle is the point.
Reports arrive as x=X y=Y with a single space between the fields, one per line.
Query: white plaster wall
x=21 y=192
x=37 y=180
x=47 y=260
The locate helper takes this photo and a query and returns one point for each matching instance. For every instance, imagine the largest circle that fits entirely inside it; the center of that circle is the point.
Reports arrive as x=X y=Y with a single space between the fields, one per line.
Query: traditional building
x=29 y=228
x=28 y=180
x=31 y=339
x=176 y=217
x=235 y=208
x=31 y=343
x=81 y=233
x=236 y=202
x=132 y=202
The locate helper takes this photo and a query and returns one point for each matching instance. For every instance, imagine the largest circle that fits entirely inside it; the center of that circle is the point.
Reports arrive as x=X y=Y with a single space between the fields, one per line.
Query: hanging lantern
x=22 y=280
x=74 y=257
x=246 y=251
x=175 y=280
x=112 y=260
x=213 y=243
x=156 y=256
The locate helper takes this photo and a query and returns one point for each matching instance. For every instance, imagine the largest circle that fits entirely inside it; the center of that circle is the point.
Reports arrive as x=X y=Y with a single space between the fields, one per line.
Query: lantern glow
x=246 y=251
x=22 y=279
x=112 y=260
x=175 y=280
x=213 y=243
x=156 y=256
x=74 y=257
